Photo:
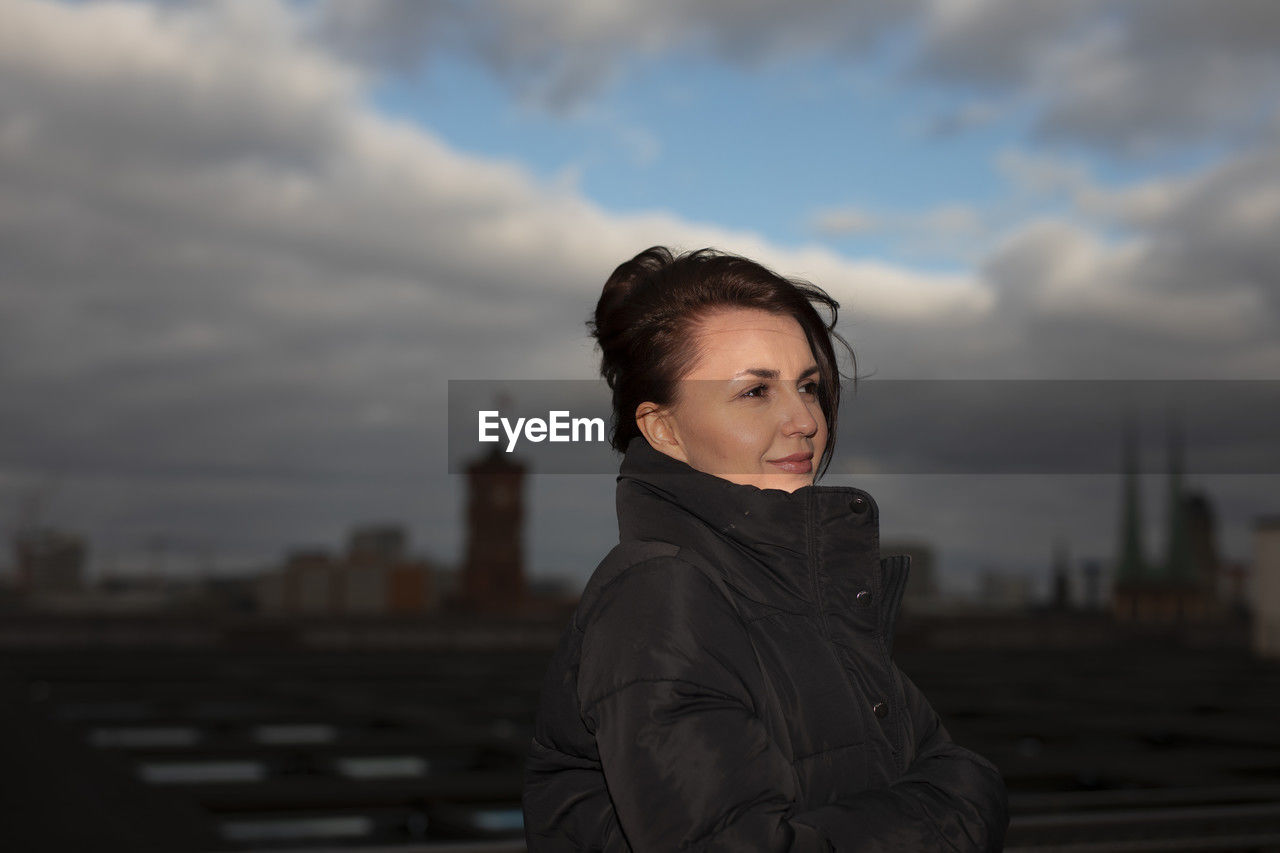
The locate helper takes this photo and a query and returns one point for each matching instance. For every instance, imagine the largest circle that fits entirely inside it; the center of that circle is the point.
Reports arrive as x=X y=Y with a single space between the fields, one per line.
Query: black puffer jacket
x=725 y=684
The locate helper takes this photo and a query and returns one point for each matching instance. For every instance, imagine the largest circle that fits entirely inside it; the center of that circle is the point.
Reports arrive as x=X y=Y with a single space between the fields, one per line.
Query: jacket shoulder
x=652 y=617
x=623 y=556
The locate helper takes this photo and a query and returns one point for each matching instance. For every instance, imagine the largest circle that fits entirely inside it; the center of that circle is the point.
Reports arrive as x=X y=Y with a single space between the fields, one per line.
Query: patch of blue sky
x=475 y=112
x=765 y=148
x=760 y=149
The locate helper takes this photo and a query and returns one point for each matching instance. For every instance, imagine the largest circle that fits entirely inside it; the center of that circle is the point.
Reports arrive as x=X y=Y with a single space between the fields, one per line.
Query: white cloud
x=1121 y=74
x=943 y=221
x=1037 y=173
x=1037 y=178
x=1208 y=232
x=1063 y=272
x=954 y=233
x=843 y=221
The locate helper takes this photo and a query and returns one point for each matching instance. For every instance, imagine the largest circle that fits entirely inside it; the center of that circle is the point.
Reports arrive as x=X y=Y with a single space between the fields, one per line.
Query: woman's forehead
x=746 y=321
x=738 y=340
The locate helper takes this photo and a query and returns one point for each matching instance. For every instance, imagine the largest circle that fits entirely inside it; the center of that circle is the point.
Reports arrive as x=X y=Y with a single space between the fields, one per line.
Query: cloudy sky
x=245 y=245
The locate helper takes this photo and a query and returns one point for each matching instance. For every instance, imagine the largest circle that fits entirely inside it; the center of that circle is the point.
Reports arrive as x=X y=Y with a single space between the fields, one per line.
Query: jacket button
x=880 y=709
x=863 y=598
x=858 y=504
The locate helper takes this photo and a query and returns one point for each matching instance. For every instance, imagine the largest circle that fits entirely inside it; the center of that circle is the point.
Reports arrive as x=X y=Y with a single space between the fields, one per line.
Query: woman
x=725 y=682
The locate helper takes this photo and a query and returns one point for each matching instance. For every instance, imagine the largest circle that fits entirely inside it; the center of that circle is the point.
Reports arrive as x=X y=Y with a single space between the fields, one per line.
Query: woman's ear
x=657 y=424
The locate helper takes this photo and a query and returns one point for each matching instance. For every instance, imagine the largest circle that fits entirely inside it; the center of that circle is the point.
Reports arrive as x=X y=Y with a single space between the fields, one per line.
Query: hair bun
x=629 y=278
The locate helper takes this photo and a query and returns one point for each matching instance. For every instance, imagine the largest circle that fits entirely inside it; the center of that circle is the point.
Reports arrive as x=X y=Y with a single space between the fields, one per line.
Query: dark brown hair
x=644 y=321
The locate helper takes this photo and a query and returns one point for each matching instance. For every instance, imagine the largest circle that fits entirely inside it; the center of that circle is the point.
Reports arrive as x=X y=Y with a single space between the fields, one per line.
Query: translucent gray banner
x=921 y=426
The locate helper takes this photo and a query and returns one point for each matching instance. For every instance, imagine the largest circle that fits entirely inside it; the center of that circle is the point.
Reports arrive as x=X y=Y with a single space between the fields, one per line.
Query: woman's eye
x=810 y=387
x=758 y=391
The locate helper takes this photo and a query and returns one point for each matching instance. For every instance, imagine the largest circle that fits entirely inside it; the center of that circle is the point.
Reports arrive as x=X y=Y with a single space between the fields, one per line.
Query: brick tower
x=493 y=571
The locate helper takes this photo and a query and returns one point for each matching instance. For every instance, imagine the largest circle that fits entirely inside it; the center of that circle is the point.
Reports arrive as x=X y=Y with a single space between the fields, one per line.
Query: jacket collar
x=778 y=517
x=815 y=538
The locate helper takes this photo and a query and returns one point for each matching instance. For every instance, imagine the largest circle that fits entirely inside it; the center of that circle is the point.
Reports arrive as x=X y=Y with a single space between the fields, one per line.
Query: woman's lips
x=796 y=463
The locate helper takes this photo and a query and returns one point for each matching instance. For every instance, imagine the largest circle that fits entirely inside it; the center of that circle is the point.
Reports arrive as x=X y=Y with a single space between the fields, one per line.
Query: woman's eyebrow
x=766 y=373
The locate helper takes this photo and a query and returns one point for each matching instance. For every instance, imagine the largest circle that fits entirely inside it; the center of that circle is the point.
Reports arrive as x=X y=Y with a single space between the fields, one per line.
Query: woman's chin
x=782 y=482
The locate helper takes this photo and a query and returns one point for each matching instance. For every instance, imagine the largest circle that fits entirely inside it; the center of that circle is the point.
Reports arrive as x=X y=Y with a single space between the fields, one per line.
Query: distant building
x=1266 y=587
x=1092 y=573
x=374 y=577
x=1060 y=579
x=493 y=569
x=1233 y=585
x=376 y=543
x=1202 y=540
x=49 y=560
x=1181 y=587
x=999 y=590
x=308 y=582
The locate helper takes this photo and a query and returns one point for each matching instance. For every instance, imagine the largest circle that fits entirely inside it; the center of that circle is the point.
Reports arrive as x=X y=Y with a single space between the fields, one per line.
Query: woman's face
x=748 y=409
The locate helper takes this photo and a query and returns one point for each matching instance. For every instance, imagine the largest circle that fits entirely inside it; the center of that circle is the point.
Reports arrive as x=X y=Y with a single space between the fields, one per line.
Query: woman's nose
x=799 y=417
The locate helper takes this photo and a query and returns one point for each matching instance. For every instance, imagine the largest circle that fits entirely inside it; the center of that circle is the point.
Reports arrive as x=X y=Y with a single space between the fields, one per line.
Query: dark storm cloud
x=1222 y=230
x=1171 y=277
x=559 y=52
x=1122 y=74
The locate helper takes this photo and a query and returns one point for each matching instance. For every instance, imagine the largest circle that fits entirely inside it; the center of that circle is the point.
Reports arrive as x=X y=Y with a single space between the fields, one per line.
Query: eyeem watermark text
x=558 y=427
x=999 y=426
